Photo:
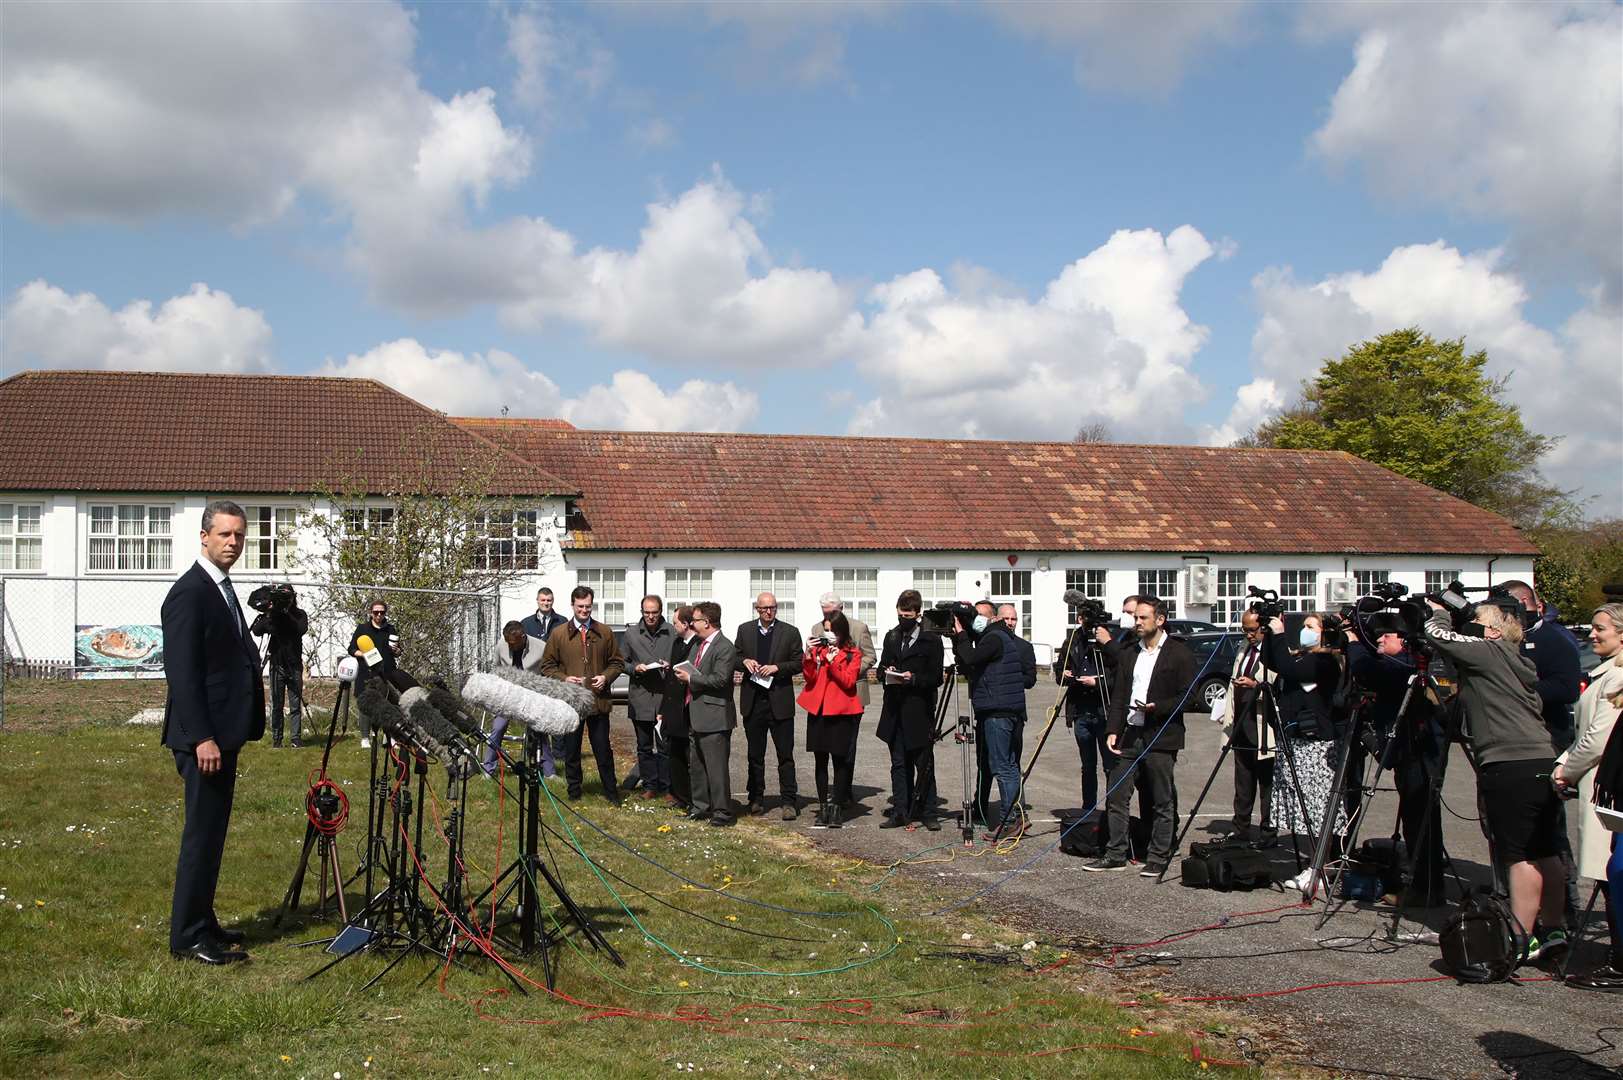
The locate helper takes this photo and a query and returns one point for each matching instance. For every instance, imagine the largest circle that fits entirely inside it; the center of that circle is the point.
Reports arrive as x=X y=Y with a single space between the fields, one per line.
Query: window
x=130 y=537
x=271 y=540
x=609 y=601
x=364 y=520
x=859 y=588
x=21 y=541
x=1365 y=580
x=1231 y=598
x=684 y=585
x=778 y=582
x=1014 y=587
x=1437 y=580
x=505 y=539
x=1298 y=590
x=936 y=586
x=1090 y=583
x=1162 y=584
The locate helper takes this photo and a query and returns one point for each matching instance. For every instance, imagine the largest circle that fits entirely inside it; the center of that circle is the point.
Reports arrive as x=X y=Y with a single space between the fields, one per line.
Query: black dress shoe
x=721 y=821
x=207 y=952
x=228 y=937
x=893 y=822
x=698 y=815
x=757 y=808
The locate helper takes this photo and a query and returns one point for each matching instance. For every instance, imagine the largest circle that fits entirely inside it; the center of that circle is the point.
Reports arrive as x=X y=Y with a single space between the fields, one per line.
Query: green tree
x=1425 y=409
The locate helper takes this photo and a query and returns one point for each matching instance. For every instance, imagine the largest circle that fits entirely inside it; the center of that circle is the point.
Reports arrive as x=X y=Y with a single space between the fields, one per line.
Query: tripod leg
x=1578 y=934
x=1189 y=822
x=290 y=902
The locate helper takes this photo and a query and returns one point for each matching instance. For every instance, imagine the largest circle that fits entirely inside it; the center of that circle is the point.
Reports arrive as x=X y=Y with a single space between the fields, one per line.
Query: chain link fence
x=107 y=627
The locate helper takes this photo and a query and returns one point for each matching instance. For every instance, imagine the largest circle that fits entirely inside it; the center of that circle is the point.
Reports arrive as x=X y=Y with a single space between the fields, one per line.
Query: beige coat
x=1594 y=718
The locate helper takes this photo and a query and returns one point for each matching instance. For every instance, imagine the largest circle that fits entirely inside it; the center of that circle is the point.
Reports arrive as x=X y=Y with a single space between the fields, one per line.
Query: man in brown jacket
x=584 y=651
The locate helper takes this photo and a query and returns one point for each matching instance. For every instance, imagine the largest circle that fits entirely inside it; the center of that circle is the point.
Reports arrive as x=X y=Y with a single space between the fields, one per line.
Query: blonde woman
x=1600 y=857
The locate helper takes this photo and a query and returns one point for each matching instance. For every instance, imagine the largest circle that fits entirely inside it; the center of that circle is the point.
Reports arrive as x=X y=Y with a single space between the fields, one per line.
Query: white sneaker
x=366 y=744
x=1301 y=881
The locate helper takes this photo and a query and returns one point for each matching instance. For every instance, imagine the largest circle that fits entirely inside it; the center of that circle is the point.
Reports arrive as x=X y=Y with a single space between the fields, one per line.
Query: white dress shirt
x=1142 y=670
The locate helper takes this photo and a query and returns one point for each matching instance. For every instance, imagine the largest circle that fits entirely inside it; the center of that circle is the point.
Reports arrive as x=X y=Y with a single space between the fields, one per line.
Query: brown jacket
x=599 y=654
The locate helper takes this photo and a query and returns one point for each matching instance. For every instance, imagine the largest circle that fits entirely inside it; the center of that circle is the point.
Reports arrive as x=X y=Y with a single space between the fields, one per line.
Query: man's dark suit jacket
x=215 y=691
x=787 y=653
x=1175 y=670
x=908 y=712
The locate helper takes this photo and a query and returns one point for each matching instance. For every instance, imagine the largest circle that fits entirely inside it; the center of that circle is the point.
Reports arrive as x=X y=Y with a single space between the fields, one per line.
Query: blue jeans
x=1614 y=896
x=498 y=728
x=1088 y=725
x=1003 y=732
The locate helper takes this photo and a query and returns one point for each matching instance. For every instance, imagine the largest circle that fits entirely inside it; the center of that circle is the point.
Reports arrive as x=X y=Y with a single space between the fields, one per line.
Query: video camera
x=1091 y=613
x=939 y=619
x=273 y=598
x=1265 y=603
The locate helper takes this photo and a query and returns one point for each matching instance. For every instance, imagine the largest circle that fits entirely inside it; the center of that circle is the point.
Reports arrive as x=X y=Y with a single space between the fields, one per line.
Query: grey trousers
x=708 y=756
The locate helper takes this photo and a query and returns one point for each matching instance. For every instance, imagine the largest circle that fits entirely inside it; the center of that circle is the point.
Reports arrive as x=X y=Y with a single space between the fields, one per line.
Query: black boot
x=834 y=815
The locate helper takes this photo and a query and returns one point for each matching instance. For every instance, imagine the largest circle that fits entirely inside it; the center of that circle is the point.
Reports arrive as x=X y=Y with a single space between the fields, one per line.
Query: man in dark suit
x=711 y=716
x=769 y=650
x=910 y=666
x=216 y=703
x=1145 y=730
x=545 y=620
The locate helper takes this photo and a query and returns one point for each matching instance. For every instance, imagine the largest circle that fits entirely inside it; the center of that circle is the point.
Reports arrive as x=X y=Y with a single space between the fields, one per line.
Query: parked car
x=1191 y=626
x=1587 y=659
x=1214 y=651
x=619 y=689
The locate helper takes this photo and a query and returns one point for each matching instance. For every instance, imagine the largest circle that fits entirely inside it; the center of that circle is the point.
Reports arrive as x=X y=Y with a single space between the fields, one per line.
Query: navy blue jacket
x=1554 y=652
x=997 y=668
x=537 y=627
x=212 y=666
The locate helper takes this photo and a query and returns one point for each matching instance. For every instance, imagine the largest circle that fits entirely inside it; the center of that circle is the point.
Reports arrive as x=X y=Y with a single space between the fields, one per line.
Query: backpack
x=1482 y=942
x=1225 y=866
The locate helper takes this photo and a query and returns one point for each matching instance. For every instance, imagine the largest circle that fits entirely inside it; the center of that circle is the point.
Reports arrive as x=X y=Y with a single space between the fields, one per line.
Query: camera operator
x=281 y=617
x=997 y=669
x=1145 y=727
x=1253 y=739
x=1309 y=670
x=1416 y=751
x=962 y=641
x=1503 y=727
x=385 y=647
x=1082 y=672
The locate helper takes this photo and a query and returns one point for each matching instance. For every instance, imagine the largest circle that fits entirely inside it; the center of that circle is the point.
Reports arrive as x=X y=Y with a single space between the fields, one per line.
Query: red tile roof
x=662 y=491
x=230 y=434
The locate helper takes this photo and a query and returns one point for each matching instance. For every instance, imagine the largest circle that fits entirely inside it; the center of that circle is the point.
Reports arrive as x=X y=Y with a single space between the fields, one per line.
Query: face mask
x=1126 y=618
x=908 y=625
x=1309 y=637
x=980 y=624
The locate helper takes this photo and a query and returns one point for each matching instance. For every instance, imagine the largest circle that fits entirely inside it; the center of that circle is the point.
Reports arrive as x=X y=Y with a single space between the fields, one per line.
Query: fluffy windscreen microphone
x=577 y=697
x=382 y=712
x=439 y=737
x=1074 y=597
x=451 y=706
x=542 y=715
x=369 y=651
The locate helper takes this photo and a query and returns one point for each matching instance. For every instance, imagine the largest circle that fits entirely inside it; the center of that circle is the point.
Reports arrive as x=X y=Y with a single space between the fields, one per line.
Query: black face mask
x=907 y=625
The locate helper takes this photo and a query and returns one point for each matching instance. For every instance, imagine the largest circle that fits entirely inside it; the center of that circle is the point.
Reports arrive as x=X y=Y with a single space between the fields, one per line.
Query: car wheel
x=1209 y=692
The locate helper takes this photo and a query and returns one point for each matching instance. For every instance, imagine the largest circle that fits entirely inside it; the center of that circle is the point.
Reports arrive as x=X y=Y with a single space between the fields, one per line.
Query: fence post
x=5 y=662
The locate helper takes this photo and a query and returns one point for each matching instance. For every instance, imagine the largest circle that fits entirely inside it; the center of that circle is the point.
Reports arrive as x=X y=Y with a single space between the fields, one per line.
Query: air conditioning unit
x=1200 y=584
x=1341 y=590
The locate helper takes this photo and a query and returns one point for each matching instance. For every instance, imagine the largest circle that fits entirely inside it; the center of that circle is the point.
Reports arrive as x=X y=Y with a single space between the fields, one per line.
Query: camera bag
x=1482 y=941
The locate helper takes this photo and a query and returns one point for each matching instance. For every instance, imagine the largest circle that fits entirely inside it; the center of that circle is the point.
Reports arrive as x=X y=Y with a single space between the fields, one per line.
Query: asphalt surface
x=1531 y=1028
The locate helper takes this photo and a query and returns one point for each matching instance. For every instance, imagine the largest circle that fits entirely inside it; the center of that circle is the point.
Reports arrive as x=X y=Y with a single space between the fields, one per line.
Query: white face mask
x=1127 y=618
x=981 y=623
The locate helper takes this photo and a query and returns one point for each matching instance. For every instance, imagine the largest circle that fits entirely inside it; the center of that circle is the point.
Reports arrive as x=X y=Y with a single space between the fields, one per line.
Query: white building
x=103 y=477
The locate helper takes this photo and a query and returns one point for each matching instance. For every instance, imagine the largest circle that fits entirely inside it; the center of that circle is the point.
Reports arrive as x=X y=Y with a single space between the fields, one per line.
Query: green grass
x=88 y=834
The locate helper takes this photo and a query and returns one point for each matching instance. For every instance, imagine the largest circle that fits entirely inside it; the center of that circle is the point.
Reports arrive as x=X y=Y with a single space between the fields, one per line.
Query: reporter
x=1503 y=724
x=831 y=667
x=1600 y=857
x=1308 y=670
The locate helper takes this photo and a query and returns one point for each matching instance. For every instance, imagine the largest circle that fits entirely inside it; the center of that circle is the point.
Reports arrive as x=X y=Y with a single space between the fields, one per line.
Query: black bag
x=1086 y=840
x=1482 y=942
x=1225 y=867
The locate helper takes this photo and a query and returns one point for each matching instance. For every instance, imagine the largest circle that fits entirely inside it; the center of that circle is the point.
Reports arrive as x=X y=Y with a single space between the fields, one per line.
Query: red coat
x=831 y=686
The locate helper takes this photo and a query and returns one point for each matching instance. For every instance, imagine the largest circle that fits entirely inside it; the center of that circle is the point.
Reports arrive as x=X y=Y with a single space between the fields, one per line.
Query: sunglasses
x=379 y=611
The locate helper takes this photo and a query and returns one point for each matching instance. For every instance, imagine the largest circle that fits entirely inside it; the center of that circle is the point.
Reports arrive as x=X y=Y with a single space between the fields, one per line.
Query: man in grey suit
x=711 y=716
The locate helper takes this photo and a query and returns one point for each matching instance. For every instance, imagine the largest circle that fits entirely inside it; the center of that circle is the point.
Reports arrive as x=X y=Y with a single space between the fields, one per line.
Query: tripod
x=325 y=815
x=519 y=879
x=963 y=733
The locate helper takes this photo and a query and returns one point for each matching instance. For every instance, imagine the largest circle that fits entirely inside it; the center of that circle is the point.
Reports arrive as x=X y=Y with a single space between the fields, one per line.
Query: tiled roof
x=228 y=434
x=663 y=491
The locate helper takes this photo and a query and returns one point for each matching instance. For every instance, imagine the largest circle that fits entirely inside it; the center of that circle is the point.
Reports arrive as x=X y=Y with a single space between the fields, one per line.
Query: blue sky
x=877 y=218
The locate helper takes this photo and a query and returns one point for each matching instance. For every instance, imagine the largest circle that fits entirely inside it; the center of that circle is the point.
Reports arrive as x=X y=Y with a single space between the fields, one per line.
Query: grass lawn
x=849 y=981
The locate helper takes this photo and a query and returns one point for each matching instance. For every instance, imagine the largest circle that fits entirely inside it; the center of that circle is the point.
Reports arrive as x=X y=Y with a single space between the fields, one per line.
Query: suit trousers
x=597 y=729
x=653 y=767
x=1251 y=776
x=912 y=780
x=757 y=726
x=202 y=844
x=286 y=680
x=708 y=758
x=1156 y=771
x=675 y=751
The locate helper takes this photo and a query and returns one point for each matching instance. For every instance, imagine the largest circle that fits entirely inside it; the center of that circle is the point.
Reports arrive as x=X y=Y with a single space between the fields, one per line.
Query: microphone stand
x=325 y=843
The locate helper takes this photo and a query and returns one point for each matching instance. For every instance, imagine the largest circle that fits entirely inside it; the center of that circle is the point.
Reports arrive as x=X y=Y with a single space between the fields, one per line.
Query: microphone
x=452 y=707
x=348 y=668
x=536 y=711
x=577 y=697
x=1074 y=597
x=369 y=651
x=442 y=739
x=381 y=712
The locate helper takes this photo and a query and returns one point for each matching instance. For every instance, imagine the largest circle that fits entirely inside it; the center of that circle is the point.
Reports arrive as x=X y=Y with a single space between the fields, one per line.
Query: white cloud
x=1125 y=45
x=202 y=330
x=1505 y=111
x=1108 y=340
x=652 y=134
x=482 y=384
x=552 y=60
x=1568 y=384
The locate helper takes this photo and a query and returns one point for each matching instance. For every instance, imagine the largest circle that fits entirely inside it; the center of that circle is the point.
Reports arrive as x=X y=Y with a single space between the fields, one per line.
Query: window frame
x=601 y=602
x=283 y=539
x=1080 y=578
x=500 y=541
x=767 y=579
x=146 y=541
x=930 y=590
x=1298 y=599
x=1168 y=596
x=687 y=595
x=1230 y=605
x=857 y=605
x=13 y=537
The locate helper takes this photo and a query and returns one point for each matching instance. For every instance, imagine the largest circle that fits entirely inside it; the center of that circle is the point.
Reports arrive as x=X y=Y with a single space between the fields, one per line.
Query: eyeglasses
x=766 y=607
x=379 y=611
x=650 y=614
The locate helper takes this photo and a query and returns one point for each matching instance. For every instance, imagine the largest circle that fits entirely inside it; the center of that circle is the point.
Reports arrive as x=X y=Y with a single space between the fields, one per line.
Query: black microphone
x=1074 y=597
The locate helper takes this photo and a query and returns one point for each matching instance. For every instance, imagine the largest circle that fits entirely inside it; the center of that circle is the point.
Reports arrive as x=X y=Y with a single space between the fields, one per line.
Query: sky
x=954 y=219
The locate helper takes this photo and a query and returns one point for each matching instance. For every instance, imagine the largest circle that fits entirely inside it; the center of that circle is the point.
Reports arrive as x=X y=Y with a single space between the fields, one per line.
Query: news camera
x=1265 y=603
x=273 y=598
x=1091 y=614
x=939 y=619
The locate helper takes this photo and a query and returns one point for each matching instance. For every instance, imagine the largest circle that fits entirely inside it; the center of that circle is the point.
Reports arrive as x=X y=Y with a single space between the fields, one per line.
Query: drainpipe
x=1490 y=568
x=646 y=555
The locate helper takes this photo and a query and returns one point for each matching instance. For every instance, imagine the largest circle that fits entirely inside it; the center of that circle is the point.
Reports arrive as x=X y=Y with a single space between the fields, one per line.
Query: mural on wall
x=128 y=651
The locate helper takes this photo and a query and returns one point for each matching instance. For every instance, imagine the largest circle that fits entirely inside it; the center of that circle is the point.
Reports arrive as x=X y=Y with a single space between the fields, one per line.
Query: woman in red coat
x=831 y=666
